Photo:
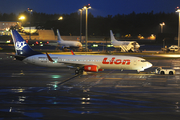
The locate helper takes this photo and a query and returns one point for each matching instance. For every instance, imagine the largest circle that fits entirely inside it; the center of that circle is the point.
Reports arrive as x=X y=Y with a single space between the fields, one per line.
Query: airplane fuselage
x=102 y=62
x=67 y=44
x=70 y=44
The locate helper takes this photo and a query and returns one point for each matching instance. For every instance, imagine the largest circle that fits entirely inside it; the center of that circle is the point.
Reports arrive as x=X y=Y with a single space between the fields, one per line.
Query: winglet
x=49 y=58
x=112 y=36
x=72 y=52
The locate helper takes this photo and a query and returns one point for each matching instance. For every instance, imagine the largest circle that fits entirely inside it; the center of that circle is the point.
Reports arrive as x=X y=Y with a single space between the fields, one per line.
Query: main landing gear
x=79 y=71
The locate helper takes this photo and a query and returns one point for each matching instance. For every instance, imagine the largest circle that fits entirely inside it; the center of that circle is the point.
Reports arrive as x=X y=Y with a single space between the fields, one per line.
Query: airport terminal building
x=5 y=25
x=42 y=34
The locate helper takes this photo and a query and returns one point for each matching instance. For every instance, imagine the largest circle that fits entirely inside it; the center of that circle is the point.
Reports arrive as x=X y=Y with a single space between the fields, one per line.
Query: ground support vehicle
x=161 y=71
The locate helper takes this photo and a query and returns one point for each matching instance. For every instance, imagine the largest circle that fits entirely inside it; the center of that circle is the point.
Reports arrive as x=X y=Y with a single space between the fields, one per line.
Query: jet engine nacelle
x=91 y=68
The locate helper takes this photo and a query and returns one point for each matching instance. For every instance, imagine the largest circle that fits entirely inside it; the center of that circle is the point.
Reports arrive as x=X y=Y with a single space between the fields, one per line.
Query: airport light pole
x=178 y=10
x=80 y=22
x=30 y=10
x=162 y=24
x=86 y=8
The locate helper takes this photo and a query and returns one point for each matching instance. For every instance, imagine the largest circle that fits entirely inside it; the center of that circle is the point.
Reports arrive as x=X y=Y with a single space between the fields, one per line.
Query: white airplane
x=66 y=44
x=83 y=63
x=124 y=46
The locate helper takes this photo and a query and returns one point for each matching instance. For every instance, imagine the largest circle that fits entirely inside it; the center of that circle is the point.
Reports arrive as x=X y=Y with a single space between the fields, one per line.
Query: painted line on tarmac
x=64 y=81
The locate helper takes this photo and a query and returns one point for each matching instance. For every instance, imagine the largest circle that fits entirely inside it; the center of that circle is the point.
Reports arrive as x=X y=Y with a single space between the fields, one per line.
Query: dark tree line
x=134 y=24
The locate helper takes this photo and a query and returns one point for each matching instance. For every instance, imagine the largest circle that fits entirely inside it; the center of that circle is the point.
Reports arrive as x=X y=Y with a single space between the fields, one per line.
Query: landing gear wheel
x=76 y=71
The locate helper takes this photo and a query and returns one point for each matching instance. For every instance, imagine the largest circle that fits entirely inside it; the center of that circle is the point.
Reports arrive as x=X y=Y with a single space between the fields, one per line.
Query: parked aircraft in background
x=87 y=63
x=66 y=44
x=124 y=46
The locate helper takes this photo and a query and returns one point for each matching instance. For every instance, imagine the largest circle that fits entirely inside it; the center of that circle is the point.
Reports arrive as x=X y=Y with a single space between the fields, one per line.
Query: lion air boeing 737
x=87 y=63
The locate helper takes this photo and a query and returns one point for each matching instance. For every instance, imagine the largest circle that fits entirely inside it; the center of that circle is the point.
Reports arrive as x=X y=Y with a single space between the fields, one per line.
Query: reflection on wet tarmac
x=31 y=92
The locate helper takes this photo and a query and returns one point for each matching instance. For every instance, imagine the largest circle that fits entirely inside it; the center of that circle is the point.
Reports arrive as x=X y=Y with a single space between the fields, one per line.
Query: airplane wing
x=73 y=65
x=78 y=64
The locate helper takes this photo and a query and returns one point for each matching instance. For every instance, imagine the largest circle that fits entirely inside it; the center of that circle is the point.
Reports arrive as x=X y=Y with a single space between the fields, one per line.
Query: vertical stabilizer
x=20 y=45
x=59 y=36
x=112 y=37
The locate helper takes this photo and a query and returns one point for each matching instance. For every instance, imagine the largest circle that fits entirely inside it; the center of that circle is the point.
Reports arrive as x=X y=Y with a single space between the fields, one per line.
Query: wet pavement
x=33 y=93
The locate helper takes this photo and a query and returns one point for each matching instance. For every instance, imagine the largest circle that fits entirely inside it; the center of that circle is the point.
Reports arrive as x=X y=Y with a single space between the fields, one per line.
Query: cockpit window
x=143 y=60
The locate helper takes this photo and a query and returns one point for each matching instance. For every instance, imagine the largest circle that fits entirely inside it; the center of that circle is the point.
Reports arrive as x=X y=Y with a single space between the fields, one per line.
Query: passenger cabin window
x=42 y=58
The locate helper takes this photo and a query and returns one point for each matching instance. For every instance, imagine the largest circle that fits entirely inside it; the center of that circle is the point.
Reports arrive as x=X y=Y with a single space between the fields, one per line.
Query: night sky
x=99 y=7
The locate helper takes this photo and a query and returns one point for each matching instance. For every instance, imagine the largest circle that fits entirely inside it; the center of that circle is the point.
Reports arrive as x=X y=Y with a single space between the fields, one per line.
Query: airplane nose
x=137 y=46
x=80 y=45
x=149 y=64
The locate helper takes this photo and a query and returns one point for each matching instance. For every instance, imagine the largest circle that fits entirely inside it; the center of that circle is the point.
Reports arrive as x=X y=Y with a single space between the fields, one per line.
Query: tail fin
x=59 y=36
x=112 y=36
x=21 y=47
